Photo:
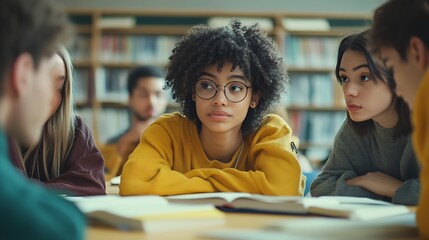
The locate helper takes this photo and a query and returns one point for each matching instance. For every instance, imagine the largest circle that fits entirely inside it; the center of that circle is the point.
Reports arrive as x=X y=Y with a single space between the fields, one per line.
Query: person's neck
x=389 y=118
x=139 y=125
x=220 y=146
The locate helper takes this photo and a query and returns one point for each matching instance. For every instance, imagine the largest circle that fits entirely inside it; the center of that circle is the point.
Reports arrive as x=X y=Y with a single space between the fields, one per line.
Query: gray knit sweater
x=354 y=156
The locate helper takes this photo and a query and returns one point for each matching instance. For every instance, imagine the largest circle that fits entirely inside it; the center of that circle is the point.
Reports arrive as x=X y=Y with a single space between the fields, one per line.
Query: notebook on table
x=146 y=213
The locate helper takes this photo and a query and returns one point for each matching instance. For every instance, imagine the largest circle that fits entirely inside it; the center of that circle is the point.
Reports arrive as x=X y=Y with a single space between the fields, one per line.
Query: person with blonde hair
x=66 y=157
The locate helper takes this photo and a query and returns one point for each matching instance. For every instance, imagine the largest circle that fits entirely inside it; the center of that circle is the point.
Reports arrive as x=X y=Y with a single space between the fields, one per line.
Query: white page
x=401 y=225
x=111 y=202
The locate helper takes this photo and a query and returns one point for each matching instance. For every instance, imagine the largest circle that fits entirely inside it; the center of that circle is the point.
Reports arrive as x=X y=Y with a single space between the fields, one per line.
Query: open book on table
x=335 y=206
x=146 y=213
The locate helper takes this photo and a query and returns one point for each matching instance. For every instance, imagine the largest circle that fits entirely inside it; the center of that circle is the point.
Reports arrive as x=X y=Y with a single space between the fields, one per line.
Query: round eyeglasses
x=234 y=91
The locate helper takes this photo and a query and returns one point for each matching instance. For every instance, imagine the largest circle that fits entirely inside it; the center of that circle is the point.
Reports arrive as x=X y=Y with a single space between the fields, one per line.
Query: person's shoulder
x=409 y=147
x=271 y=125
x=274 y=121
x=347 y=137
x=173 y=119
x=81 y=127
x=170 y=117
x=346 y=129
x=80 y=122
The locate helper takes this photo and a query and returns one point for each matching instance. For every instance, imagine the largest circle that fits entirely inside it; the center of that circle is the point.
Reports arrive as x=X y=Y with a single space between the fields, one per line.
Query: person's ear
x=255 y=100
x=193 y=97
x=419 y=52
x=20 y=74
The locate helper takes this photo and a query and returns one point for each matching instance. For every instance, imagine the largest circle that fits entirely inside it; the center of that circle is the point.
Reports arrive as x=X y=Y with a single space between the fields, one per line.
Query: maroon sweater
x=83 y=169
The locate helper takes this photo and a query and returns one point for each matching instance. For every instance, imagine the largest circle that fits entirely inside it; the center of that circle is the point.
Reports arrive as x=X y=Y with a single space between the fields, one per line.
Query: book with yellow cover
x=146 y=213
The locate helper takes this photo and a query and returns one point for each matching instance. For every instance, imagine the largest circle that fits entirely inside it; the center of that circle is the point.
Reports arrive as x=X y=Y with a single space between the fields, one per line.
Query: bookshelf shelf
x=82 y=104
x=82 y=64
x=317 y=108
x=114 y=104
x=309 y=70
x=330 y=33
x=149 y=29
x=83 y=29
x=111 y=42
x=129 y=65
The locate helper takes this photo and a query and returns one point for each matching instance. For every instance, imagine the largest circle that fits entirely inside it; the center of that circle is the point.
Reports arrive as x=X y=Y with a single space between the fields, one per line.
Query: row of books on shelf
x=300 y=51
x=316 y=131
x=80 y=50
x=110 y=84
x=316 y=127
x=137 y=48
x=80 y=84
x=316 y=52
x=126 y=22
x=317 y=90
x=87 y=114
x=112 y=121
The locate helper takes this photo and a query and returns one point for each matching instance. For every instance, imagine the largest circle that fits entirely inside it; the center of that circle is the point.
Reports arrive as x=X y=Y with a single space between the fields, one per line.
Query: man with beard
x=147 y=101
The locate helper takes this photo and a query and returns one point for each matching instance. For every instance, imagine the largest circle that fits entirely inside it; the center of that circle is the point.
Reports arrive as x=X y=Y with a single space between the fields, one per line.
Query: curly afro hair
x=247 y=47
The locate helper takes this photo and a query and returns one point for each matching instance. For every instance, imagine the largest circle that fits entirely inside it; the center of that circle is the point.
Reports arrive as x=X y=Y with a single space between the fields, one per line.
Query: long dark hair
x=358 y=42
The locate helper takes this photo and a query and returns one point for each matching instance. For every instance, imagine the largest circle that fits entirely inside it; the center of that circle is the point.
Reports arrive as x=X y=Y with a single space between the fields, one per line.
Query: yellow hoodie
x=421 y=146
x=171 y=160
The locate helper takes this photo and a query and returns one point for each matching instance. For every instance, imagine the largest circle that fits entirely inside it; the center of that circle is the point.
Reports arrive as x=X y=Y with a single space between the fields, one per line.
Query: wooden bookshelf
x=338 y=108
x=95 y=38
x=310 y=70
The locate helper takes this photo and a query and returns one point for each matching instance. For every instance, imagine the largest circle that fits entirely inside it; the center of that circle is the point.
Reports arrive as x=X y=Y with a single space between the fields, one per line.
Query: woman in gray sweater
x=372 y=154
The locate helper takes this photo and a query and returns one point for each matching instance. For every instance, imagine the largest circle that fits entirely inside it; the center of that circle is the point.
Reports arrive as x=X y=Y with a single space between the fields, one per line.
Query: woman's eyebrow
x=234 y=76
x=237 y=76
x=361 y=66
x=207 y=74
x=365 y=65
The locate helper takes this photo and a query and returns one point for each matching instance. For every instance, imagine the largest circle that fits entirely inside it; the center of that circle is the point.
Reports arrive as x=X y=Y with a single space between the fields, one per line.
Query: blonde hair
x=48 y=156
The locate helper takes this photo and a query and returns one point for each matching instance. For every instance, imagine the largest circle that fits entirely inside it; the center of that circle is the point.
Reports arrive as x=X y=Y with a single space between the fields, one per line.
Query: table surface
x=232 y=221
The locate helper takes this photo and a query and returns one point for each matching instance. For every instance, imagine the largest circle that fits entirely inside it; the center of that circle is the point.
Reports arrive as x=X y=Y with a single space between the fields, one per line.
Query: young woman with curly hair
x=226 y=79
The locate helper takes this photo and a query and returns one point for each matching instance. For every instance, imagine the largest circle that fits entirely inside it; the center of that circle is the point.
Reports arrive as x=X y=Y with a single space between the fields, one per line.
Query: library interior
x=113 y=40
x=117 y=41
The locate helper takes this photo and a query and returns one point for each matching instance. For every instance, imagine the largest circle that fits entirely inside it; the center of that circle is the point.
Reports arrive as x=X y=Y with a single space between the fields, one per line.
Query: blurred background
x=114 y=37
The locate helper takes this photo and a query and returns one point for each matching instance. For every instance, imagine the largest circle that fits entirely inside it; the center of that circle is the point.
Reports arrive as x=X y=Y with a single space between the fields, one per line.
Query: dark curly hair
x=247 y=47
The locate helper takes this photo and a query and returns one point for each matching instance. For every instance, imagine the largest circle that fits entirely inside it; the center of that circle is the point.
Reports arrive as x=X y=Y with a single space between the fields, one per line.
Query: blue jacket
x=29 y=211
